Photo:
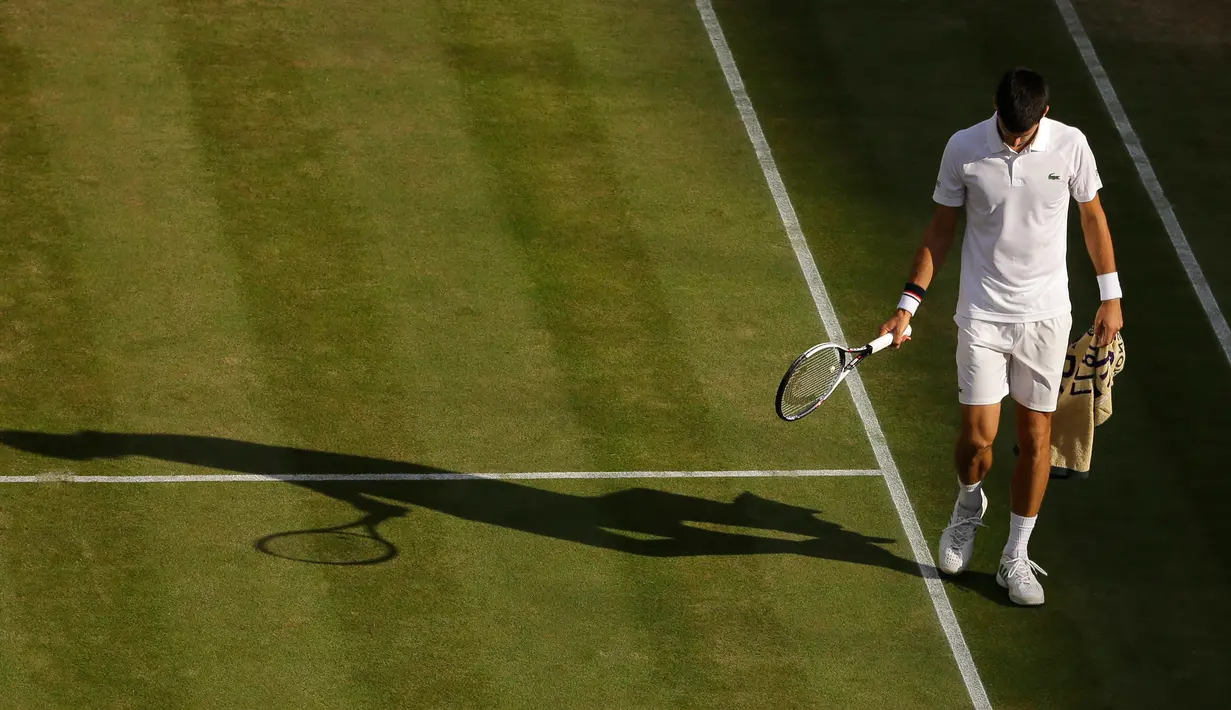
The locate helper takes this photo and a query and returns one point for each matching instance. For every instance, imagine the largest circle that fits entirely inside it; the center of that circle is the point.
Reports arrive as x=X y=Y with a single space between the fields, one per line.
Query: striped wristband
x=1109 y=286
x=912 y=297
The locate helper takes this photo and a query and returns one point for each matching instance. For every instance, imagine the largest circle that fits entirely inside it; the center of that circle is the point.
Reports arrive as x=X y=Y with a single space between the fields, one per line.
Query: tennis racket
x=815 y=375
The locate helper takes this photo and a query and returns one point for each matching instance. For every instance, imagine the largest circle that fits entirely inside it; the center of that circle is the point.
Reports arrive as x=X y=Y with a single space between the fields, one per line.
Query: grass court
x=504 y=287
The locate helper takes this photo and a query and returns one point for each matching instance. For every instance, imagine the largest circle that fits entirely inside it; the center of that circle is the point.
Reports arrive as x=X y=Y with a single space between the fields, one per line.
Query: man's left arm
x=1109 y=319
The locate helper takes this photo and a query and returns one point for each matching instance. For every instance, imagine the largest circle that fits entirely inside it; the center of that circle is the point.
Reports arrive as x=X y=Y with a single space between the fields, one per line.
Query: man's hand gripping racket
x=814 y=376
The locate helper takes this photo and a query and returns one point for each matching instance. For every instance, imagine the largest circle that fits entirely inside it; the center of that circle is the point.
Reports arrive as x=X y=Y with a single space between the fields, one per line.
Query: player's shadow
x=640 y=521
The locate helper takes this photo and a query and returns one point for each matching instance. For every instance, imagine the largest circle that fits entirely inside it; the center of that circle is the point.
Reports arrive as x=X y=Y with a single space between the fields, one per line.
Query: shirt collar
x=1041 y=141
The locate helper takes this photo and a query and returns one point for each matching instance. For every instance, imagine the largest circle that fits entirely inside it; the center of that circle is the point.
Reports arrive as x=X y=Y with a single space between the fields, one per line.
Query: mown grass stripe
x=533 y=118
x=316 y=295
x=480 y=388
x=81 y=619
x=38 y=297
x=533 y=115
x=315 y=299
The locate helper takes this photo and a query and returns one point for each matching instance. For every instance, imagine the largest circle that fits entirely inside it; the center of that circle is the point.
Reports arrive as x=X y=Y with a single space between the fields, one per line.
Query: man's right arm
x=937 y=239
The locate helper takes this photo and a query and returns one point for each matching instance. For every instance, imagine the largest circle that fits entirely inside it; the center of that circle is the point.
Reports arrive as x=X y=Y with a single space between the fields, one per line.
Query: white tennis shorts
x=1022 y=359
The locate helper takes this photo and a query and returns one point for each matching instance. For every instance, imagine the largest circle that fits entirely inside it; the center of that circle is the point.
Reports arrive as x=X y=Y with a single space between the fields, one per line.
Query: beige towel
x=1085 y=400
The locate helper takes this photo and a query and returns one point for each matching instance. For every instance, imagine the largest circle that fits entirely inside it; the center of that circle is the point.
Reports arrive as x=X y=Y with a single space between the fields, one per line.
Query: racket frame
x=850 y=357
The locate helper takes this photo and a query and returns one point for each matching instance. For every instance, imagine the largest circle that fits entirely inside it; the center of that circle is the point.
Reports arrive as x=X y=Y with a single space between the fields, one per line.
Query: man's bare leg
x=1033 y=462
x=972 y=456
x=973 y=453
x=1017 y=572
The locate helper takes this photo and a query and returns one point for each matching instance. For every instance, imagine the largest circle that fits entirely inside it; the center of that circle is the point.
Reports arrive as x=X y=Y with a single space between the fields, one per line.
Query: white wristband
x=908 y=303
x=1109 y=286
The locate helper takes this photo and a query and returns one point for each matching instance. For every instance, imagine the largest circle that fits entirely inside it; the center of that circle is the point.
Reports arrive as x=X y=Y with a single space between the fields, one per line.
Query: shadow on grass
x=981 y=583
x=639 y=521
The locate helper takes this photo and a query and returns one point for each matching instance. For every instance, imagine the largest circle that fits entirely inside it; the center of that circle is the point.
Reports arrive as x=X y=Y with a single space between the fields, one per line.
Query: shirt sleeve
x=1084 y=180
x=950 y=189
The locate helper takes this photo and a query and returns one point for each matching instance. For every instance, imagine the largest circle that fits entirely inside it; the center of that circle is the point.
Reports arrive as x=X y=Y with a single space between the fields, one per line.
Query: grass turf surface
x=466 y=238
x=585 y=594
x=833 y=105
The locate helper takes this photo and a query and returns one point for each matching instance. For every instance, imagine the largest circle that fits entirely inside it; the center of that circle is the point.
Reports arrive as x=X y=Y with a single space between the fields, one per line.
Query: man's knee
x=976 y=441
x=1034 y=433
x=978 y=432
x=1032 y=447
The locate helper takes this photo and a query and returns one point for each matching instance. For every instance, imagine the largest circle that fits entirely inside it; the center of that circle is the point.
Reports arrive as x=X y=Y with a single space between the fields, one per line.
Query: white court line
x=65 y=477
x=1145 y=170
x=824 y=307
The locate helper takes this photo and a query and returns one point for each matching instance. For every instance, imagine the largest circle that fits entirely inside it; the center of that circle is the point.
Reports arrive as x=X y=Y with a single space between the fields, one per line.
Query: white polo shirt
x=1017 y=206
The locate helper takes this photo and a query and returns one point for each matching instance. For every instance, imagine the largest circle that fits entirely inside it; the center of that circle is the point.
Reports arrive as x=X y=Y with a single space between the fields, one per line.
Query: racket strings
x=812 y=381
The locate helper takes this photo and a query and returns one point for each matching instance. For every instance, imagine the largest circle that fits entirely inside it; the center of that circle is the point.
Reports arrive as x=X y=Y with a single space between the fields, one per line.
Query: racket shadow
x=640 y=521
x=355 y=543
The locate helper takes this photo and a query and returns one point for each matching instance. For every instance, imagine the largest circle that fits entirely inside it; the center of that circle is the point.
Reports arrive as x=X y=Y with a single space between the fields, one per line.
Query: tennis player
x=1014 y=174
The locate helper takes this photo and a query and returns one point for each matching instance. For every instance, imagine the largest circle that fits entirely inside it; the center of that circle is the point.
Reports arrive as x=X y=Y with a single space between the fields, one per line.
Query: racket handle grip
x=885 y=341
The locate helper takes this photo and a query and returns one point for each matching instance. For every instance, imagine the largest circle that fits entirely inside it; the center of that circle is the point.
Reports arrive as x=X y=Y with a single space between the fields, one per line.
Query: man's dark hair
x=1021 y=99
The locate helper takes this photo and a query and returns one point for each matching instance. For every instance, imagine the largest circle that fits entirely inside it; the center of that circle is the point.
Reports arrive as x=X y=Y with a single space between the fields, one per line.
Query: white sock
x=969 y=497
x=1019 y=535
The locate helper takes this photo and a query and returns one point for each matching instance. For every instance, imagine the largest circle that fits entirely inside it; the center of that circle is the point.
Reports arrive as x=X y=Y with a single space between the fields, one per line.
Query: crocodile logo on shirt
x=1053 y=176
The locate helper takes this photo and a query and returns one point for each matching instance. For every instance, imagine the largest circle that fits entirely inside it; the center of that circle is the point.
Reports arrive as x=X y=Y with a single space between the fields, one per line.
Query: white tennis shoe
x=1016 y=574
x=957 y=542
